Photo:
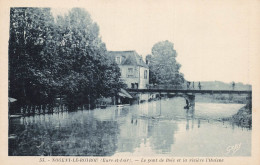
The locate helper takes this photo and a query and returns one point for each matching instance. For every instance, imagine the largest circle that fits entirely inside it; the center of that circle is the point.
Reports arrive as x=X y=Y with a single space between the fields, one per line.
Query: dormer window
x=118 y=60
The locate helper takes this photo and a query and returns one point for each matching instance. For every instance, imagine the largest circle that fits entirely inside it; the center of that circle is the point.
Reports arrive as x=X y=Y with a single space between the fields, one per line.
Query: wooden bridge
x=188 y=91
x=188 y=94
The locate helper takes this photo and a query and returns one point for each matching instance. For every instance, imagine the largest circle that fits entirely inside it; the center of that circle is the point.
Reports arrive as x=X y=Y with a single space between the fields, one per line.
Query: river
x=157 y=128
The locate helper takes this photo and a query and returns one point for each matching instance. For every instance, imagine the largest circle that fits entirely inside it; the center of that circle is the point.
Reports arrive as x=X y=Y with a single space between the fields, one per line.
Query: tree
x=164 y=69
x=89 y=74
x=30 y=29
x=62 y=56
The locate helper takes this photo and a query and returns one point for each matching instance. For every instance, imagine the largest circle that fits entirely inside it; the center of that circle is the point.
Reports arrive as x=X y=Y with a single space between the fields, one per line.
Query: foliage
x=51 y=57
x=164 y=69
x=29 y=73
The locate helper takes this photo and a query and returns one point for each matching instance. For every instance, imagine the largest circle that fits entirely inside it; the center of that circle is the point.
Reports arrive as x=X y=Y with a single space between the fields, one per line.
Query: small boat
x=12 y=136
x=120 y=105
x=16 y=116
x=103 y=106
x=186 y=107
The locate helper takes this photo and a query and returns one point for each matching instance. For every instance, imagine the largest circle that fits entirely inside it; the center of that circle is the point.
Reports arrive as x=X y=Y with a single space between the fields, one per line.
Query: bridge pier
x=192 y=100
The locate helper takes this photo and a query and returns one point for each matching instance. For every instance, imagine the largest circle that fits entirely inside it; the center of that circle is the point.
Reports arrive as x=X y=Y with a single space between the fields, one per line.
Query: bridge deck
x=190 y=91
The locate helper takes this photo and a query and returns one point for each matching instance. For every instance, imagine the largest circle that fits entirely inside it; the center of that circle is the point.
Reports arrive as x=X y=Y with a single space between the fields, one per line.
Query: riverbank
x=243 y=117
x=221 y=98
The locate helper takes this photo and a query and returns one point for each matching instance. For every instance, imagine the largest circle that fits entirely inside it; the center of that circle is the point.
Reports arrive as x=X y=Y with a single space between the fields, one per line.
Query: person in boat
x=187 y=104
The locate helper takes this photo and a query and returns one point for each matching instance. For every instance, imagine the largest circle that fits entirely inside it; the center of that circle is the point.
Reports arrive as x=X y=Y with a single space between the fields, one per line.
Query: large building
x=134 y=71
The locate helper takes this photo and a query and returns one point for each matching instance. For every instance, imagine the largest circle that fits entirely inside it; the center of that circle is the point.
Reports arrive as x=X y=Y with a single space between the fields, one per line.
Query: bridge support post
x=192 y=100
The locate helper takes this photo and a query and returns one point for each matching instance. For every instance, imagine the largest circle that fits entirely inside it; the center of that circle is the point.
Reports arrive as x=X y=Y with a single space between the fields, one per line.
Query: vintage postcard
x=130 y=82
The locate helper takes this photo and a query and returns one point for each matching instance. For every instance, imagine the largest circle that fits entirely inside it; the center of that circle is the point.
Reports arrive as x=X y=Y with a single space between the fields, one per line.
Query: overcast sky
x=210 y=37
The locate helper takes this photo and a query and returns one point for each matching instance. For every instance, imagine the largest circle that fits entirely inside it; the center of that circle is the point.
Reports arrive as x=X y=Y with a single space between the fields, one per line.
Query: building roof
x=128 y=58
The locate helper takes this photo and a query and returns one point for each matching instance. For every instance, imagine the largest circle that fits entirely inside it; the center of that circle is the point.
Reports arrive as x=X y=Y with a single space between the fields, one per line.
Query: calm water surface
x=161 y=128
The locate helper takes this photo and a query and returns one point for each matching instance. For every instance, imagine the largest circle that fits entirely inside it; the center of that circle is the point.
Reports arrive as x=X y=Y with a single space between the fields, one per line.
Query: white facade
x=135 y=76
x=134 y=71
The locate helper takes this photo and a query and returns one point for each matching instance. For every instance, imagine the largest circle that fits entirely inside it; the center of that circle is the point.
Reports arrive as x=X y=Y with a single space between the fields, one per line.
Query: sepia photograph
x=123 y=79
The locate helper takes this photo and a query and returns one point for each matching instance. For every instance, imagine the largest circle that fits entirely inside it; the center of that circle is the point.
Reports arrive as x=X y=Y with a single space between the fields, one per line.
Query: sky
x=210 y=37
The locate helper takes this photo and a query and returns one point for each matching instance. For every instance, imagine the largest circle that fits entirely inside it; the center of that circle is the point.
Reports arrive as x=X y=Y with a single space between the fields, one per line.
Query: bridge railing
x=191 y=88
x=171 y=87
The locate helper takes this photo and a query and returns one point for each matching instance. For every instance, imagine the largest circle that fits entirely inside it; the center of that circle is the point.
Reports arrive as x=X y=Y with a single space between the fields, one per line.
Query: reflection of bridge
x=189 y=95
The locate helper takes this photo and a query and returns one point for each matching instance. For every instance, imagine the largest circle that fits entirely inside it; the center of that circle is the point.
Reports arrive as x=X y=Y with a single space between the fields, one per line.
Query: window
x=132 y=85
x=130 y=72
x=145 y=74
x=136 y=85
x=118 y=60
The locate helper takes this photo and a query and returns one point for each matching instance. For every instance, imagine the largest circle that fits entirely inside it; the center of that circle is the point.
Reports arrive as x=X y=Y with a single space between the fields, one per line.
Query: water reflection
x=152 y=128
x=65 y=134
x=190 y=116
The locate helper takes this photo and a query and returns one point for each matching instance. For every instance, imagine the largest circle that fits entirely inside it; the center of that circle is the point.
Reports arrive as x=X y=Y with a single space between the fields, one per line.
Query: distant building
x=134 y=71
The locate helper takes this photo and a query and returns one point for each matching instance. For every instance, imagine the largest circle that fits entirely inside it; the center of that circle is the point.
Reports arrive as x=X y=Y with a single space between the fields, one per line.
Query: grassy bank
x=243 y=117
